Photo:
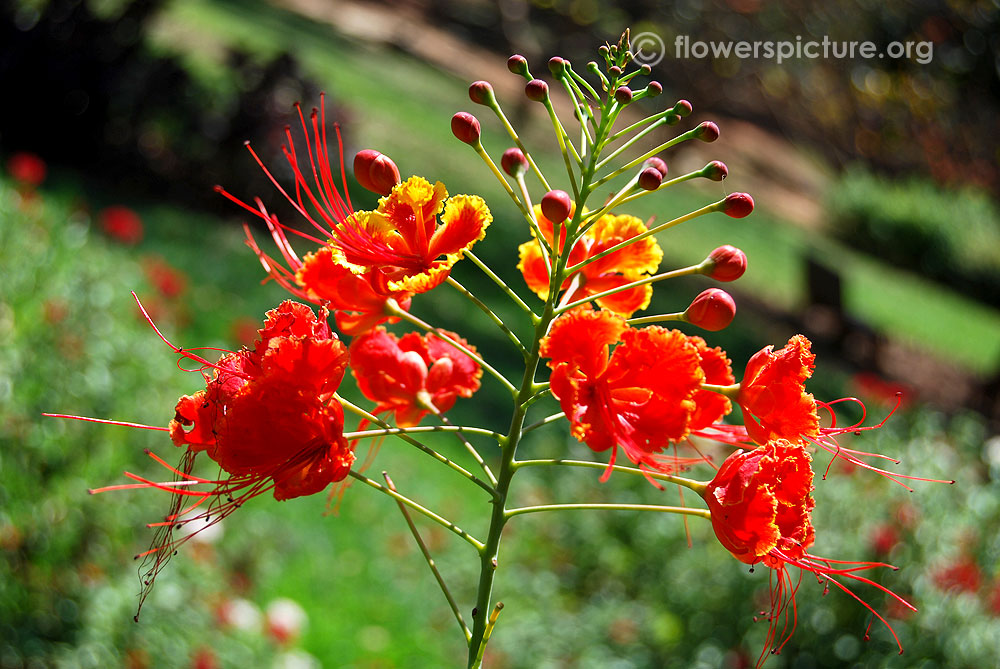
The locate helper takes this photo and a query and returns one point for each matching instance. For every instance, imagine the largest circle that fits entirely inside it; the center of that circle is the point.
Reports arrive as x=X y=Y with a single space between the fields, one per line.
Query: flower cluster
x=270 y=415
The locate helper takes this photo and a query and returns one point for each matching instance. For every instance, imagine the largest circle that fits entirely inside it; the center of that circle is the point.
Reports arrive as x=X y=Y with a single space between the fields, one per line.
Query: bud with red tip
x=518 y=64
x=465 y=127
x=481 y=92
x=557 y=66
x=623 y=95
x=707 y=132
x=615 y=71
x=556 y=205
x=375 y=171
x=650 y=178
x=726 y=263
x=715 y=170
x=713 y=309
x=513 y=162
x=737 y=205
x=537 y=90
x=654 y=88
x=683 y=108
x=658 y=164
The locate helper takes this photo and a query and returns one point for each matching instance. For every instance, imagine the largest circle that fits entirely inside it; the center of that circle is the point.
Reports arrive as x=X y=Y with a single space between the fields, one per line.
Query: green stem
x=517 y=141
x=444 y=522
x=696 y=486
x=704 y=513
x=644 y=157
x=686 y=271
x=472 y=449
x=363 y=434
x=545 y=421
x=371 y=418
x=501 y=283
x=489 y=312
x=430 y=561
x=496 y=172
x=659 y=318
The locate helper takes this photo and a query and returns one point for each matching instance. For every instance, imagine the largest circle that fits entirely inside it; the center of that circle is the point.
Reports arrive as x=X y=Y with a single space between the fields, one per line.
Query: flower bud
x=726 y=263
x=518 y=64
x=712 y=310
x=707 y=132
x=683 y=108
x=615 y=71
x=650 y=178
x=657 y=163
x=375 y=171
x=556 y=205
x=465 y=126
x=645 y=68
x=737 y=205
x=513 y=162
x=715 y=170
x=623 y=95
x=481 y=92
x=654 y=88
x=537 y=90
x=557 y=66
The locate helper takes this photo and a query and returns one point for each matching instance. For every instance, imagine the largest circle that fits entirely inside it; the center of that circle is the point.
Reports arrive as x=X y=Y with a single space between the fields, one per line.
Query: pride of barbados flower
x=612 y=271
x=413 y=375
x=760 y=505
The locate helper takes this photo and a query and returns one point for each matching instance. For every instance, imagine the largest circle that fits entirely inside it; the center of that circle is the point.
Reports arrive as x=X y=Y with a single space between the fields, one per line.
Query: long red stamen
x=107 y=422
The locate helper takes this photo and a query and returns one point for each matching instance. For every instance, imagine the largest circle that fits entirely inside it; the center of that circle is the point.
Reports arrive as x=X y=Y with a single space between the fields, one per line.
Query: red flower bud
x=557 y=66
x=615 y=71
x=650 y=178
x=737 y=205
x=683 y=108
x=707 y=131
x=645 y=68
x=518 y=64
x=465 y=126
x=654 y=88
x=481 y=92
x=623 y=95
x=726 y=263
x=712 y=310
x=556 y=205
x=375 y=171
x=715 y=170
x=657 y=163
x=513 y=162
x=537 y=90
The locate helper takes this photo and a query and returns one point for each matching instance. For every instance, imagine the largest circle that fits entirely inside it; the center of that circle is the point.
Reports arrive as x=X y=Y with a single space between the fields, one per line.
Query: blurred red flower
x=27 y=169
x=121 y=224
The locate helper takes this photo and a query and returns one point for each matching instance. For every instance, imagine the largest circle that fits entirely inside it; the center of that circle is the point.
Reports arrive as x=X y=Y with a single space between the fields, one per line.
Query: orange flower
x=639 y=397
x=710 y=406
x=360 y=301
x=414 y=375
x=761 y=509
x=772 y=395
x=612 y=271
x=402 y=240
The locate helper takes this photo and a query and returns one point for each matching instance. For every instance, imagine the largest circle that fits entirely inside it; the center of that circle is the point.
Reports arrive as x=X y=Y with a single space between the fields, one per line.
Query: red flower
x=267 y=416
x=761 y=508
x=27 y=169
x=360 y=300
x=639 y=397
x=772 y=395
x=169 y=281
x=632 y=263
x=710 y=406
x=121 y=224
x=402 y=240
x=414 y=375
x=962 y=575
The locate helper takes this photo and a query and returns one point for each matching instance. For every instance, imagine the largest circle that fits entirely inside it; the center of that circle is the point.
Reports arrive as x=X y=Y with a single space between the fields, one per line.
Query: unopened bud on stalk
x=615 y=71
x=513 y=162
x=645 y=68
x=707 y=132
x=737 y=205
x=654 y=88
x=557 y=66
x=726 y=263
x=481 y=92
x=650 y=178
x=518 y=64
x=713 y=310
x=715 y=170
x=657 y=163
x=683 y=108
x=375 y=171
x=537 y=90
x=623 y=95
x=556 y=205
x=465 y=127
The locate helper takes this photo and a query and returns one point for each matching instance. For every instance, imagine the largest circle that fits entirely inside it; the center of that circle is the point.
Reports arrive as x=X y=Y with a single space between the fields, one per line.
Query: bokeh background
x=876 y=233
